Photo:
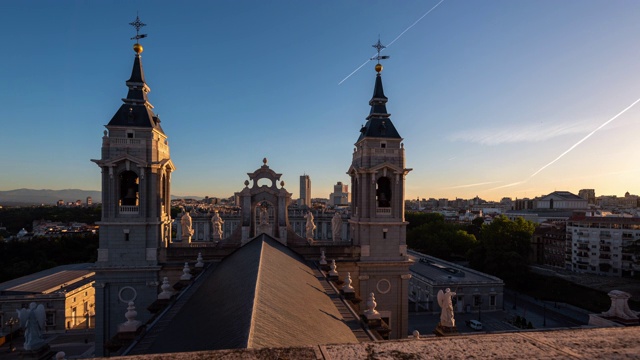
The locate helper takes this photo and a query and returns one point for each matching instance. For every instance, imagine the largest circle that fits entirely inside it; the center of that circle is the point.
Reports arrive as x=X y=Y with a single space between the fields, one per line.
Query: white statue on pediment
x=310 y=226
x=446 y=304
x=216 y=223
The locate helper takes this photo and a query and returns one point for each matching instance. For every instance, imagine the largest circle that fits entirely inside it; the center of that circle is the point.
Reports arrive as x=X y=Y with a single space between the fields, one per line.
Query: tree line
x=501 y=248
x=24 y=257
x=16 y=218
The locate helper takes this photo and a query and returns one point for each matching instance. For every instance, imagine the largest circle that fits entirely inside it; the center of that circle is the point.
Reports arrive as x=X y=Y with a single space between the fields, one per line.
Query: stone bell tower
x=136 y=221
x=377 y=222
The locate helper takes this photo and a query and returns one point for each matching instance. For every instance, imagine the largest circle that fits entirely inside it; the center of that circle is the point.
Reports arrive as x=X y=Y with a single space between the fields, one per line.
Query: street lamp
x=10 y=323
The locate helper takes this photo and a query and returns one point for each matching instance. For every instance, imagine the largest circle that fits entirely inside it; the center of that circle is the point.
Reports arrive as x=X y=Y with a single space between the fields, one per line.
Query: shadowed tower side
x=136 y=221
x=377 y=206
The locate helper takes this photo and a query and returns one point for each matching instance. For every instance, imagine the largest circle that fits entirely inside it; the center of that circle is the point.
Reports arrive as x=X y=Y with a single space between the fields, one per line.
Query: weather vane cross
x=379 y=47
x=138 y=24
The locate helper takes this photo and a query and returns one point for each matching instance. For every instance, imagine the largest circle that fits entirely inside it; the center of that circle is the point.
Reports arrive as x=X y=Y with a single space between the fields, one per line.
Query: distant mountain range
x=46 y=196
x=51 y=197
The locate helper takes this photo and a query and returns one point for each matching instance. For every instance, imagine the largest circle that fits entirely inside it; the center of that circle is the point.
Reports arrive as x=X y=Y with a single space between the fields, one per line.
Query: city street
x=542 y=315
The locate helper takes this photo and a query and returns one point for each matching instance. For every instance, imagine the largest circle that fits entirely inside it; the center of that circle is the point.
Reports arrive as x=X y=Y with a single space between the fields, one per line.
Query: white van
x=475 y=324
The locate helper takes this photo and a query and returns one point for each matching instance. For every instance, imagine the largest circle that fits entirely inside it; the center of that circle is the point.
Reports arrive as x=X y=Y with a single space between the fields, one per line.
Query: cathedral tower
x=136 y=221
x=377 y=211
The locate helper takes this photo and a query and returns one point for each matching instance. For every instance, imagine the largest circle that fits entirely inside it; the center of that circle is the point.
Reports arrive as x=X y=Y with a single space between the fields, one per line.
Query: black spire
x=378 y=100
x=137 y=74
x=379 y=122
x=136 y=110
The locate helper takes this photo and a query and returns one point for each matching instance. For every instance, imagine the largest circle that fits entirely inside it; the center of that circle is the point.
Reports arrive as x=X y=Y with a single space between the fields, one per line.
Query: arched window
x=165 y=191
x=383 y=192
x=355 y=192
x=129 y=188
x=162 y=188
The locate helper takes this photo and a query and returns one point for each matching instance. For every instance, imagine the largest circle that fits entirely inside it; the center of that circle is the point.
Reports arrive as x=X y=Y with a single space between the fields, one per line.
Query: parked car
x=474 y=324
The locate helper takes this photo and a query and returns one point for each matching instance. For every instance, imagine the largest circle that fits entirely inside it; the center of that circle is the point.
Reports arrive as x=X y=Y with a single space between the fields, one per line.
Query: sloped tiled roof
x=565 y=195
x=262 y=295
x=51 y=280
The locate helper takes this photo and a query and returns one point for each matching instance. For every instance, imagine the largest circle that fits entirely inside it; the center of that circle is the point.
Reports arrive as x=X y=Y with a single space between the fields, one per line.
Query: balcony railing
x=383 y=211
x=126 y=141
x=128 y=209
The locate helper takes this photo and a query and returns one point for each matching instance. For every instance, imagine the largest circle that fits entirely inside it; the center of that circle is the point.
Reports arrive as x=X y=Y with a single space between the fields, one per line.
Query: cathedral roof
x=379 y=123
x=136 y=110
x=262 y=295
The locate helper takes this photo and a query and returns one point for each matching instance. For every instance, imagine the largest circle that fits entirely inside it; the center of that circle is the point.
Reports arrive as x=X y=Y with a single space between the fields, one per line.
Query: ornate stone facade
x=136 y=221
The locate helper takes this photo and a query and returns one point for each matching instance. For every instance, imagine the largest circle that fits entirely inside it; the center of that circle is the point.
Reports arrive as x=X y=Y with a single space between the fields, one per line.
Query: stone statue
x=216 y=223
x=620 y=306
x=185 y=222
x=32 y=320
x=446 y=304
x=264 y=216
x=336 y=227
x=310 y=225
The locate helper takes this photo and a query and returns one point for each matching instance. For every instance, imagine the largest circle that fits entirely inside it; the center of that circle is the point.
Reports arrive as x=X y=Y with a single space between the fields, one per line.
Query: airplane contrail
x=584 y=138
x=571 y=148
x=394 y=40
x=470 y=185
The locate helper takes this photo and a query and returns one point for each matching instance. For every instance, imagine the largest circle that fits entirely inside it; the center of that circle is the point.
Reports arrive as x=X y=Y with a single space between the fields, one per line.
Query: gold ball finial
x=138 y=48
x=378 y=67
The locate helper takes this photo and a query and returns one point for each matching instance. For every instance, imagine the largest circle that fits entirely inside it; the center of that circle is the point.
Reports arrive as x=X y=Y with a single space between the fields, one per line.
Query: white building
x=599 y=245
x=561 y=200
x=475 y=291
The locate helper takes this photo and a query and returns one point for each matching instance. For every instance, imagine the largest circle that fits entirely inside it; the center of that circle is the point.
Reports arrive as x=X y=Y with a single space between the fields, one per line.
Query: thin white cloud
x=525 y=133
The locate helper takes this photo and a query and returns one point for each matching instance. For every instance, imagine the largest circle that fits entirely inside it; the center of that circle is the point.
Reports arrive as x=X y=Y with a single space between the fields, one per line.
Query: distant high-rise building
x=588 y=194
x=60 y=203
x=340 y=194
x=89 y=201
x=305 y=190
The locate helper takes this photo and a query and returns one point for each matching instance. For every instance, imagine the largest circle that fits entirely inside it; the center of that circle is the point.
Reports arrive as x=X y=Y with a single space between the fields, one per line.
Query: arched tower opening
x=129 y=188
x=383 y=192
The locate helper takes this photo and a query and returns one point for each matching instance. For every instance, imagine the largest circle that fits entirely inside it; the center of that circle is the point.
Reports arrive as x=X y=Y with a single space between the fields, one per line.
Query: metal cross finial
x=379 y=47
x=138 y=24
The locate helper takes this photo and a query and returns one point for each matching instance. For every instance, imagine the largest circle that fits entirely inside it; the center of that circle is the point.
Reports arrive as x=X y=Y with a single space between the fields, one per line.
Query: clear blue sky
x=484 y=92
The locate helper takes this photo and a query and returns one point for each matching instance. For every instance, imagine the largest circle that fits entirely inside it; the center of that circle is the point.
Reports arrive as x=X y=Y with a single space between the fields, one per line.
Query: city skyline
x=493 y=98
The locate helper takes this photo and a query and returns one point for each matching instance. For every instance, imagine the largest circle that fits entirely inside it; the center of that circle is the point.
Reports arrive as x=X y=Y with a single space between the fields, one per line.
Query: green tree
x=431 y=235
x=19 y=258
x=503 y=249
x=417 y=219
